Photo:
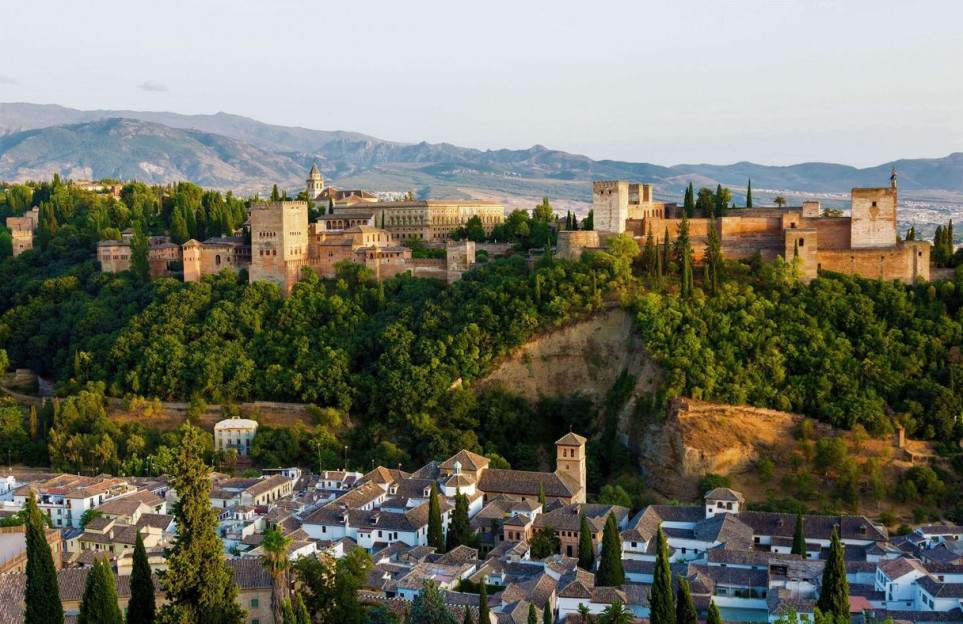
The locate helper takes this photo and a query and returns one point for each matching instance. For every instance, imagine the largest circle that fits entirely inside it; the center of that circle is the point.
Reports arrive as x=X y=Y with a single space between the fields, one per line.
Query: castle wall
x=571 y=243
x=906 y=261
x=279 y=242
x=610 y=205
x=834 y=232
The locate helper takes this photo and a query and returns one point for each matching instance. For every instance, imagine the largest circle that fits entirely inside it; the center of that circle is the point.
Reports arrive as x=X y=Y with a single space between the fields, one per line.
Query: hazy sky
x=858 y=82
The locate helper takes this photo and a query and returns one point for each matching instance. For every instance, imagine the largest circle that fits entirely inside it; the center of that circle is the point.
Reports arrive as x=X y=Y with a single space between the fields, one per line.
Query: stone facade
x=215 y=255
x=279 y=242
x=431 y=220
x=614 y=202
x=571 y=243
x=22 y=228
x=115 y=255
x=862 y=244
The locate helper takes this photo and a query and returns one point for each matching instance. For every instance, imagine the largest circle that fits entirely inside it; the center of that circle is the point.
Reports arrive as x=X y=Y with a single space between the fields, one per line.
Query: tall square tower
x=279 y=242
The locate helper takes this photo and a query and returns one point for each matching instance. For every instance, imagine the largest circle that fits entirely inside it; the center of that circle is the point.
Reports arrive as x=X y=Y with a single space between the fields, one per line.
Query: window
x=802 y=241
x=254 y=603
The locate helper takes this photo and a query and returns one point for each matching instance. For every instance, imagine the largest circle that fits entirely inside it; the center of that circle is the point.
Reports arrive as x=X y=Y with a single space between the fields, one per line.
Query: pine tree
x=198 y=584
x=436 y=536
x=685 y=609
x=483 y=615
x=41 y=594
x=586 y=549
x=547 y=614
x=459 y=531
x=714 y=616
x=99 y=602
x=749 y=194
x=142 y=607
x=610 y=572
x=532 y=614
x=799 y=538
x=661 y=602
x=301 y=611
x=428 y=607
x=834 y=589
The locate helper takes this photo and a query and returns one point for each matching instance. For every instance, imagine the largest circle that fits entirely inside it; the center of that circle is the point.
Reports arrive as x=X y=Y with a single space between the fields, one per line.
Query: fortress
x=864 y=243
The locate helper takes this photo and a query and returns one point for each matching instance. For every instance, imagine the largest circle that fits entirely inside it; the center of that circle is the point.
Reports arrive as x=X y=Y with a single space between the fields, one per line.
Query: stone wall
x=610 y=205
x=906 y=261
x=571 y=243
x=279 y=242
x=873 y=217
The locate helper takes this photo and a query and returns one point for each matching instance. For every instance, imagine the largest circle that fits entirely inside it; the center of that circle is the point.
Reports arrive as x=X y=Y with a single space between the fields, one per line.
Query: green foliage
x=713 y=617
x=532 y=614
x=544 y=543
x=586 y=548
x=459 y=529
x=921 y=484
x=842 y=349
x=547 y=617
x=661 y=599
x=41 y=595
x=615 y=495
x=688 y=202
x=428 y=607
x=436 y=536
x=420 y=249
x=198 y=585
x=711 y=480
x=685 y=609
x=141 y=609
x=139 y=259
x=483 y=614
x=610 y=572
x=749 y=194
x=99 y=602
x=834 y=589
x=799 y=538
x=617 y=613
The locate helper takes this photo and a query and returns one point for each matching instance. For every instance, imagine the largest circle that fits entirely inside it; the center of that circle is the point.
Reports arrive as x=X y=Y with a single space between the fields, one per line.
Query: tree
x=6 y=243
x=666 y=251
x=616 y=613
x=532 y=614
x=544 y=543
x=610 y=572
x=483 y=616
x=749 y=194
x=287 y=613
x=197 y=582
x=834 y=589
x=685 y=609
x=714 y=617
x=459 y=531
x=779 y=201
x=436 y=536
x=41 y=594
x=650 y=254
x=586 y=549
x=275 y=195
x=589 y=222
x=661 y=602
x=301 y=615
x=429 y=608
x=275 y=561
x=547 y=614
x=722 y=198
x=142 y=606
x=139 y=254
x=688 y=202
x=683 y=252
x=714 y=261
x=541 y=497
x=468 y=619
x=543 y=212
x=799 y=538
x=99 y=602
x=705 y=205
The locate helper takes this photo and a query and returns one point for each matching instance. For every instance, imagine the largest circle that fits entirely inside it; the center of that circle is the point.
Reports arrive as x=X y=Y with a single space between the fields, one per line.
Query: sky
x=775 y=82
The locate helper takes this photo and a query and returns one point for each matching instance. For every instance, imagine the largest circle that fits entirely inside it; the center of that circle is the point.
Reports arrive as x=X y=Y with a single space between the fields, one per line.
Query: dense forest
x=397 y=359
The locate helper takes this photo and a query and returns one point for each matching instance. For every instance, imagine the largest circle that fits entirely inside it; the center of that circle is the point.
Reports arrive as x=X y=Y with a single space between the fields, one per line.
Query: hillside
x=442 y=169
x=130 y=149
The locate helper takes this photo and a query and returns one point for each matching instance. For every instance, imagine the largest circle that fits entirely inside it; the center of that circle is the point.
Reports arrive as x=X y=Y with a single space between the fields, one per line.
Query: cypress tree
x=799 y=538
x=714 y=616
x=532 y=614
x=541 y=497
x=586 y=550
x=713 y=260
x=468 y=618
x=685 y=609
x=749 y=194
x=460 y=533
x=436 y=536
x=666 y=250
x=483 y=615
x=834 y=589
x=547 y=614
x=610 y=572
x=41 y=594
x=99 y=602
x=688 y=204
x=684 y=254
x=197 y=582
x=287 y=613
x=650 y=253
x=141 y=608
x=661 y=602
x=275 y=195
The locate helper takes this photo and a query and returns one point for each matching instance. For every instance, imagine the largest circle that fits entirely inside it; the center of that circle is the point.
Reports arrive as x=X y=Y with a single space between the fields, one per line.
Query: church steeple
x=315 y=183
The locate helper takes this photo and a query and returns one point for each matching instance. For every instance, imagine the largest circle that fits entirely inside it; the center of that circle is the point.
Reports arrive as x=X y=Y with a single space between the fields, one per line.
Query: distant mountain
x=132 y=149
x=231 y=151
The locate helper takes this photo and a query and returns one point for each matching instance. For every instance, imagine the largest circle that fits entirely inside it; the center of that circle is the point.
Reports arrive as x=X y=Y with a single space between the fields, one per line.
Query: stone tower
x=315 y=183
x=570 y=461
x=279 y=242
x=873 y=222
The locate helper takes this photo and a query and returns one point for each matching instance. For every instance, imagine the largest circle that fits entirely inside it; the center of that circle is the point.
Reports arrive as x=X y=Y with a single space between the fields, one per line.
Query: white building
x=235 y=433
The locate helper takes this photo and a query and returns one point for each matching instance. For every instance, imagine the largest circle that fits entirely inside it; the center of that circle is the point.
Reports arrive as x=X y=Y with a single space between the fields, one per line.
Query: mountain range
x=233 y=152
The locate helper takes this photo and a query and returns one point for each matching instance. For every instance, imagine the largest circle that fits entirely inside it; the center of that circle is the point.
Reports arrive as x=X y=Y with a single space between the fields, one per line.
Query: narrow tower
x=315 y=183
x=570 y=461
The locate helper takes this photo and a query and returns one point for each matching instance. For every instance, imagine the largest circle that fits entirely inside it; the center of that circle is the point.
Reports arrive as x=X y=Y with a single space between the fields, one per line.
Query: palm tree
x=275 y=560
x=584 y=616
x=616 y=613
x=780 y=201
